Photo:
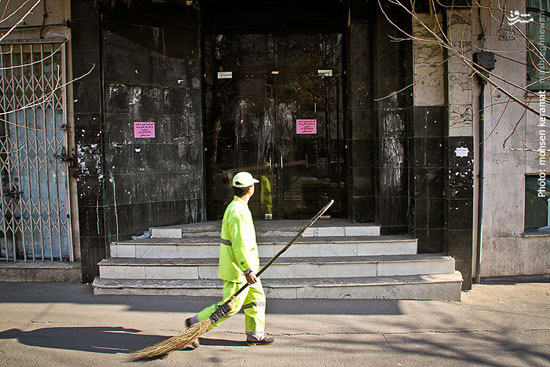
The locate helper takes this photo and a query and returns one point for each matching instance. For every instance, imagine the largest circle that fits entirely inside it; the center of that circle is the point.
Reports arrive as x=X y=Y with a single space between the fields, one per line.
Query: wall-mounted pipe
x=484 y=61
x=482 y=83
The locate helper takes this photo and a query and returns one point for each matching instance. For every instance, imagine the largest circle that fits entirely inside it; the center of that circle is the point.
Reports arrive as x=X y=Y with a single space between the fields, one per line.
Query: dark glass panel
x=252 y=121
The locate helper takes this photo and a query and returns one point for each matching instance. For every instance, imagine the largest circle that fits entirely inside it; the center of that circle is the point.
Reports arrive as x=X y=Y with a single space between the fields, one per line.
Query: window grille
x=34 y=197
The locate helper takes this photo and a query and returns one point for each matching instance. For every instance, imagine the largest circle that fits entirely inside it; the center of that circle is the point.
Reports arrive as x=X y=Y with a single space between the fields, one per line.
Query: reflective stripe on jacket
x=238 y=248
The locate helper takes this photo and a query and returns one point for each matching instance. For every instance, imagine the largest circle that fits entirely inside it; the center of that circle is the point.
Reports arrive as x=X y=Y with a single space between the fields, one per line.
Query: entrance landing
x=273 y=228
x=331 y=262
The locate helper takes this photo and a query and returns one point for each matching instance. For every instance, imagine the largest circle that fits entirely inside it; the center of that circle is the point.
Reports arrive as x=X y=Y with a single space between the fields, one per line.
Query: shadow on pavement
x=110 y=340
x=222 y=342
x=82 y=294
x=517 y=279
x=492 y=343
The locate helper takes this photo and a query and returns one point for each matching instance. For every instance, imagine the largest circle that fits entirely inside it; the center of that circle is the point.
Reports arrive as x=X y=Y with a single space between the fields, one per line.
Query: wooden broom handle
x=311 y=222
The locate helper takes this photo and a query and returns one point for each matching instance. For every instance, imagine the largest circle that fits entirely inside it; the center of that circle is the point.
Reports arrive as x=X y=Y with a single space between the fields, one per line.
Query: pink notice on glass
x=305 y=126
x=144 y=130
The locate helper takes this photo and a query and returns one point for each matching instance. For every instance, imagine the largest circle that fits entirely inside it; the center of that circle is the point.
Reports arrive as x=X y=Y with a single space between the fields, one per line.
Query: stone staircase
x=333 y=260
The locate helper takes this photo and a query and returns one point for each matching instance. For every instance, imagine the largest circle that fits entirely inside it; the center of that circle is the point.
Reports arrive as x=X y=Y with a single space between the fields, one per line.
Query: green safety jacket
x=238 y=248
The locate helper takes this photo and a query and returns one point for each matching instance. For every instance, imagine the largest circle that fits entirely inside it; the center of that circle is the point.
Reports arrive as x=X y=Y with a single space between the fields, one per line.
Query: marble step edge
x=340 y=231
x=267 y=225
x=121 y=261
x=214 y=241
x=399 y=245
x=455 y=277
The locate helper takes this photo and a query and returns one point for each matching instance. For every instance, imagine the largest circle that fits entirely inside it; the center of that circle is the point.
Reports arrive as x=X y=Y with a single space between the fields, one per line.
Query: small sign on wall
x=506 y=35
x=225 y=74
x=306 y=126
x=462 y=152
x=144 y=129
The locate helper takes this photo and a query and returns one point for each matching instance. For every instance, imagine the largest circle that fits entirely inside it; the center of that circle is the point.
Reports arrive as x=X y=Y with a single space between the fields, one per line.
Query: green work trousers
x=252 y=300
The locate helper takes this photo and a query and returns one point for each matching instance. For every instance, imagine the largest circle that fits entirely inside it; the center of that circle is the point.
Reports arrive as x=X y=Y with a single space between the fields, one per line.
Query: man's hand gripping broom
x=192 y=333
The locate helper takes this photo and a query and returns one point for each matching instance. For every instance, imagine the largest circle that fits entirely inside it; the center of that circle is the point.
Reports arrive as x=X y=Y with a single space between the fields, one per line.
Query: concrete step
x=284 y=268
x=41 y=271
x=196 y=247
x=275 y=228
x=419 y=287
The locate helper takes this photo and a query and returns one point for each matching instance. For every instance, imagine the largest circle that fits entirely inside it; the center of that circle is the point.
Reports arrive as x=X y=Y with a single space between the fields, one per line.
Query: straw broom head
x=184 y=339
x=177 y=342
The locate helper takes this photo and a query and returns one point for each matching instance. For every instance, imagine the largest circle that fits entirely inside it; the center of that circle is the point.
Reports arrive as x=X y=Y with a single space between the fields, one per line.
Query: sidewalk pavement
x=59 y=324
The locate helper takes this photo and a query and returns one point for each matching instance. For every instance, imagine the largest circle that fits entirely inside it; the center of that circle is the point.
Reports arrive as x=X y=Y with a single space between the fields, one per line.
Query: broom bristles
x=184 y=339
x=177 y=342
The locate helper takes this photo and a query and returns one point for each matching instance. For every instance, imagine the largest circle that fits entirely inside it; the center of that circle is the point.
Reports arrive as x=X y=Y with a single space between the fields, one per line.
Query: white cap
x=243 y=179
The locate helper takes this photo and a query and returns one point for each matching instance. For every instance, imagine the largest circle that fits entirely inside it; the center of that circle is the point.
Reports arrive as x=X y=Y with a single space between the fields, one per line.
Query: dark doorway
x=274 y=106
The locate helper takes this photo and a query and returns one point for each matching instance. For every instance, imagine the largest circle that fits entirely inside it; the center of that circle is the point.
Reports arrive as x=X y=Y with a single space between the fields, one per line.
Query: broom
x=192 y=333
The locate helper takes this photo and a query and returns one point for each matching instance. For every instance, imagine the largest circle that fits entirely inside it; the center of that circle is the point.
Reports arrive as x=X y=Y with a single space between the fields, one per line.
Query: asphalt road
x=53 y=324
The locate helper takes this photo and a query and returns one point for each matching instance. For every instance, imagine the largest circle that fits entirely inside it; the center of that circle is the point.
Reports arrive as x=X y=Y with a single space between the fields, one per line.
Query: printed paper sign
x=306 y=126
x=462 y=152
x=225 y=74
x=144 y=130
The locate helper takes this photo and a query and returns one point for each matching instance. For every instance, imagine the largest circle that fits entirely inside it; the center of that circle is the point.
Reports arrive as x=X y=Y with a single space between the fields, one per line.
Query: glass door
x=273 y=107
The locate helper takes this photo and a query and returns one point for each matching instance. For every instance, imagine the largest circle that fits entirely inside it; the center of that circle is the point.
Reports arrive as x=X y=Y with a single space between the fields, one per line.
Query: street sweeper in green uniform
x=238 y=229
x=238 y=264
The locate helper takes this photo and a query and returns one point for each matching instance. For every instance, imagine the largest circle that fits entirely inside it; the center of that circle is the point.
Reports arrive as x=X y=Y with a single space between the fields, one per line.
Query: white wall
x=428 y=65
x=506 y=251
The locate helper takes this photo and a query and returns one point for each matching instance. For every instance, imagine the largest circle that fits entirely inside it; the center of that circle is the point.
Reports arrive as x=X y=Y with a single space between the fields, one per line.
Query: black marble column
x=392 y=73
x=458 y=207
x=426 y=177
x=147 y=69
x=362 y=142
x=87 y=95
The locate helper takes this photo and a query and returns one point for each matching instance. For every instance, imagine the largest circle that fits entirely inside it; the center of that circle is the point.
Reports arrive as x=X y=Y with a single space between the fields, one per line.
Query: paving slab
x=61 y=324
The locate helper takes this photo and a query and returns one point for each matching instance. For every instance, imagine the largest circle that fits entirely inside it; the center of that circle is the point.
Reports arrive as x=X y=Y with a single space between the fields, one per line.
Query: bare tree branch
x=47 y=96
x=20 y=20
x=38 y=61
x=2 y=19
x=447 y=44
x=434 y=32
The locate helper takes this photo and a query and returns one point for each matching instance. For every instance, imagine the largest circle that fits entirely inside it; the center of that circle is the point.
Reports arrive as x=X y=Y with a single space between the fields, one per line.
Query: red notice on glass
x=306 y=126
x=144 y=129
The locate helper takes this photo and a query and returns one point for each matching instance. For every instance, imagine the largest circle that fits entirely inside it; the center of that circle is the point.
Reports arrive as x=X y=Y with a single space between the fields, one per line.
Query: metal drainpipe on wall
x=484 y=61
x=482 y=83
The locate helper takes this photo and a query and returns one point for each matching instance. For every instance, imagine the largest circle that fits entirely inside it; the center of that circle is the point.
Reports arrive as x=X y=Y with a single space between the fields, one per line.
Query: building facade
x=375 y=106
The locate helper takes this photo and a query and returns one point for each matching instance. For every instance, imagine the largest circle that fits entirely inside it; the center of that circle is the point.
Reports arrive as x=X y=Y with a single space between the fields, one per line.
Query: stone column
x=426 y=138
x=362 y=132
x=459 y=149
x=85 y=29
x=146 y=70
x=392 y=73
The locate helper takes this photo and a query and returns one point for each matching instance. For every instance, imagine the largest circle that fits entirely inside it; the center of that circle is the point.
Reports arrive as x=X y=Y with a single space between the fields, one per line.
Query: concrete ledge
x=166 y=233
x=515 y=279
x=268 y=247
x=277 y=228
x=428 y=287
x=41 y=272
x=286 y=267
